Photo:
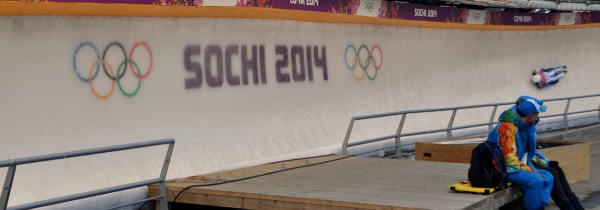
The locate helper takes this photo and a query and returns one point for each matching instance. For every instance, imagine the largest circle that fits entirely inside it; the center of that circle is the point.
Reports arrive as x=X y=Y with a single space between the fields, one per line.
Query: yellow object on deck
x=465 y=186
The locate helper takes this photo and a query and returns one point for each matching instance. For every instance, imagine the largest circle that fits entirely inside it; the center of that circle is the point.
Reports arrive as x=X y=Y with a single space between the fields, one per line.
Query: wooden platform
x=347 y=183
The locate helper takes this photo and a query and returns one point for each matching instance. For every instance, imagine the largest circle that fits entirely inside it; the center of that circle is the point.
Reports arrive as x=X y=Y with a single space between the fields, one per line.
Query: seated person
x=515 y=135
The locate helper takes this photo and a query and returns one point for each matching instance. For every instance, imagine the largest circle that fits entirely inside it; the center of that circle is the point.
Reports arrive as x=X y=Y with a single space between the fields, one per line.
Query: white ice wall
x=45 y=108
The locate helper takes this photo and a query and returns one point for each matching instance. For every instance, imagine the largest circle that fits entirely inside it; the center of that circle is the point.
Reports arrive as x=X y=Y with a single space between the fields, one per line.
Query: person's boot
x=575 y=201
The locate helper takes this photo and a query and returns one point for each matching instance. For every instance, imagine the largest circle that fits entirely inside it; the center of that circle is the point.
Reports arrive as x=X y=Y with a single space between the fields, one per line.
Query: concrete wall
x=219 y=123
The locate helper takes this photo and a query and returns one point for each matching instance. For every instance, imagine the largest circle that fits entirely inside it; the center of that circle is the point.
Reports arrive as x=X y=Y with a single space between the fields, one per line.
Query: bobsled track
x=243 y=86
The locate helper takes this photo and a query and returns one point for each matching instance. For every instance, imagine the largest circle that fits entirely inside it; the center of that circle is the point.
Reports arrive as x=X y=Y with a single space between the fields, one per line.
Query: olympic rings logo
x=476 y=15
x=109 y=70
x=365 y=58
x=370 y=6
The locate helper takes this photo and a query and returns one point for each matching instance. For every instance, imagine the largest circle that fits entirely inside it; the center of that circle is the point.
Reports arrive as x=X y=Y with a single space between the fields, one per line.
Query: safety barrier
x=450 y=128
x=12 y=166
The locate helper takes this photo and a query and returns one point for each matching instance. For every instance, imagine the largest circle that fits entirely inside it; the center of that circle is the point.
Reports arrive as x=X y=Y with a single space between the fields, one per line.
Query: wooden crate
x=573 y=156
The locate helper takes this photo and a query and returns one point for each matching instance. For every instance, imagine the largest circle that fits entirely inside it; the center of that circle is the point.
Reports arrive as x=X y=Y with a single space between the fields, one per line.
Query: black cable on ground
x=246 y=178
x=264 y=174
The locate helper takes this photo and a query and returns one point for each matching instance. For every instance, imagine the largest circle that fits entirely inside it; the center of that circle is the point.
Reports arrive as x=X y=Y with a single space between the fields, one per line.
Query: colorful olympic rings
x=108 y=69
x=364 y=61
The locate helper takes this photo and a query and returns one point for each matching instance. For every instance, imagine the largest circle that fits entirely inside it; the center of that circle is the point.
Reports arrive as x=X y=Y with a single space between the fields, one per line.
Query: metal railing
x=12 y=166
x=450 y=128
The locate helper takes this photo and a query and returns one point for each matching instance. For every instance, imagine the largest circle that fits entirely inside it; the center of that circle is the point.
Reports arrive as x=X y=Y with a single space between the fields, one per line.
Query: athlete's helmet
x=536 y=78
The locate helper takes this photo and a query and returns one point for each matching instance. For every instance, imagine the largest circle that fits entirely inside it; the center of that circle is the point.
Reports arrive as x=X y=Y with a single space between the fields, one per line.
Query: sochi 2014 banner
x=425 y=13
x=387 y=9
x=309 y=5
x=510 y=18
x=241 y=3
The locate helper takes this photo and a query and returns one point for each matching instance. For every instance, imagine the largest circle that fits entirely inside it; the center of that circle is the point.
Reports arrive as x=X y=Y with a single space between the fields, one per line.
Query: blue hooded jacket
x=525 y=141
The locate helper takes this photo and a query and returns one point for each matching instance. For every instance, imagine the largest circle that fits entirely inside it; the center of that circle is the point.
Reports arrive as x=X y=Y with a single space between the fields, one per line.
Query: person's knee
x=548 y=175
x=524 y=179
x=550 y=178
x=551 y=170
x=558 y=170
x=533 y=184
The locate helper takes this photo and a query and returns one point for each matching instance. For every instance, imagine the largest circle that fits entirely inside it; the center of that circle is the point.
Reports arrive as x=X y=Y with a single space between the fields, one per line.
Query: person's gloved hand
x=553 y=164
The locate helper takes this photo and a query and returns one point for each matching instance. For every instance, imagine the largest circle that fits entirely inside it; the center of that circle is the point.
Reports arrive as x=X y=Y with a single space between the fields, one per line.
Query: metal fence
x=397 y=136
x=12 y=166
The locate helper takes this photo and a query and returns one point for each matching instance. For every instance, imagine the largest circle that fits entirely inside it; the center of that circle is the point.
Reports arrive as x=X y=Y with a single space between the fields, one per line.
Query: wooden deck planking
x=355 y=182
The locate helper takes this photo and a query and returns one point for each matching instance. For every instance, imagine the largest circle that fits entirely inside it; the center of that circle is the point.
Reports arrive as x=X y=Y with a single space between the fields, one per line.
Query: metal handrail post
x=398 y=132
x=163 y=176
x=599 y=113
x=347 y=138
x=449 y=129
x=490 y=125
x=10 y=175
x=565 y=121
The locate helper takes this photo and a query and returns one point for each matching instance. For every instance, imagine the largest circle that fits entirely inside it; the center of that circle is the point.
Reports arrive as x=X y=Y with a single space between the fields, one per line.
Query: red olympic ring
x=131 y=58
